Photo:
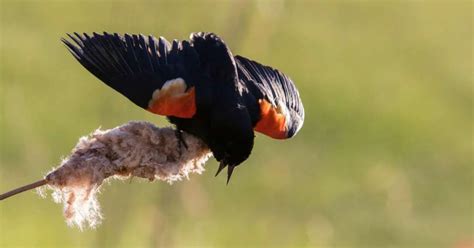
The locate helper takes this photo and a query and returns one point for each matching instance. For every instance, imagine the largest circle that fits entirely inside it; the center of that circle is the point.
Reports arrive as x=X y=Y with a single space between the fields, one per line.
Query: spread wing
x=152 y=73
x=281 y=110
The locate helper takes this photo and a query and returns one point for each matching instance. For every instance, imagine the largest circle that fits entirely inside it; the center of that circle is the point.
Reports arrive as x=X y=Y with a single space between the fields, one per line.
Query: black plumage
x=277 y=88
x=225 y=97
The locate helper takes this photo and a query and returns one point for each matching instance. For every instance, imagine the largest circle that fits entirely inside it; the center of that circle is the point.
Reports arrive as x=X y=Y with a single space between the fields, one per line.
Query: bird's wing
x=152 y=73
x=281 y=110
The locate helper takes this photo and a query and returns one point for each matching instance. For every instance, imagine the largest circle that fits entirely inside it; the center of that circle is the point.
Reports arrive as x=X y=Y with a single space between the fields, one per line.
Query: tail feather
x=216 y=58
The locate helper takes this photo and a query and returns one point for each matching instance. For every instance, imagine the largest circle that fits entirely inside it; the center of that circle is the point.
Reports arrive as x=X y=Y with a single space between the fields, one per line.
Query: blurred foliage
x=384 y=158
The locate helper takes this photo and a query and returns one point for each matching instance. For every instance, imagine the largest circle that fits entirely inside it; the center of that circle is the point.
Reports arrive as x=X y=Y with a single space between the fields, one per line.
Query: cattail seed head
x=137 y=149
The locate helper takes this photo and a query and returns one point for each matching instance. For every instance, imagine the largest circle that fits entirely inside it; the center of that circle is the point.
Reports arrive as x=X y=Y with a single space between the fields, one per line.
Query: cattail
x=136 y=149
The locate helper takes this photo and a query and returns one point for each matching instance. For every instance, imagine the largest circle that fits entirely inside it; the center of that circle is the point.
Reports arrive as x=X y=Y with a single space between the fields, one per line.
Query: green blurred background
x=384 y=158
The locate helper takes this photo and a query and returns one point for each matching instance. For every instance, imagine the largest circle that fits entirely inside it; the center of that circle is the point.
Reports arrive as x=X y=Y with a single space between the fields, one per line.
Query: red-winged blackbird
x=199 y=85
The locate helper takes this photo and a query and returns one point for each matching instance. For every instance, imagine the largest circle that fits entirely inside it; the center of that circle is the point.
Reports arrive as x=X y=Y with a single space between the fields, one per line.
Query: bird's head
x=232 y=153
x=232 y=146
x=232 y=138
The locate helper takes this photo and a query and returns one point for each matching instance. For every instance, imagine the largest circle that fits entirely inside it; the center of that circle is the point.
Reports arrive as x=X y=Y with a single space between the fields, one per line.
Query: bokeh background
x=384 y=158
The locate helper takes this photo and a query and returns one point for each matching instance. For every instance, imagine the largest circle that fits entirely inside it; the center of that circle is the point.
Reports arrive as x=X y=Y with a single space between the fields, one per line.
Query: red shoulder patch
x=272 y=121
x=173 y=100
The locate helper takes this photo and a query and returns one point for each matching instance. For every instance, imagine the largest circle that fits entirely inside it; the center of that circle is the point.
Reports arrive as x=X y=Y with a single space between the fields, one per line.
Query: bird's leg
x=181 y=141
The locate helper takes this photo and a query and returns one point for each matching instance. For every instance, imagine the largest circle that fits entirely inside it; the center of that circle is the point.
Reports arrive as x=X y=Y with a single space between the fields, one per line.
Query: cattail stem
x=23 y=188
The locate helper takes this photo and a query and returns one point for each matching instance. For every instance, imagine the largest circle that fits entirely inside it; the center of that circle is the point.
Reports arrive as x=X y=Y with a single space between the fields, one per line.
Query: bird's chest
x=221 y=111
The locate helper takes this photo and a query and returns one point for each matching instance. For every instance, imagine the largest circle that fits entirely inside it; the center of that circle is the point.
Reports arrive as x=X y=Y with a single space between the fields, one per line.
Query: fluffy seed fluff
x=135 y=149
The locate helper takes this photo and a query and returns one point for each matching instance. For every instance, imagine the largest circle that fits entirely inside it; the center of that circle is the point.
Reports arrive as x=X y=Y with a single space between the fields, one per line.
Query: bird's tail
x=216 y=58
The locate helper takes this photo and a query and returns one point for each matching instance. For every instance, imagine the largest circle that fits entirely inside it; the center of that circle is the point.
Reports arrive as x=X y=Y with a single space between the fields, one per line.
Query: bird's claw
x=181 y=141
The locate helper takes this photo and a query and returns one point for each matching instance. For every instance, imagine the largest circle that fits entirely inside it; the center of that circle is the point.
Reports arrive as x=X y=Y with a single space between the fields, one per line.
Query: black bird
x=199 y=85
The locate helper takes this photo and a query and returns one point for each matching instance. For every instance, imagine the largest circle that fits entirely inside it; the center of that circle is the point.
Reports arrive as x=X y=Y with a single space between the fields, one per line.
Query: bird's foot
x=181 y=141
